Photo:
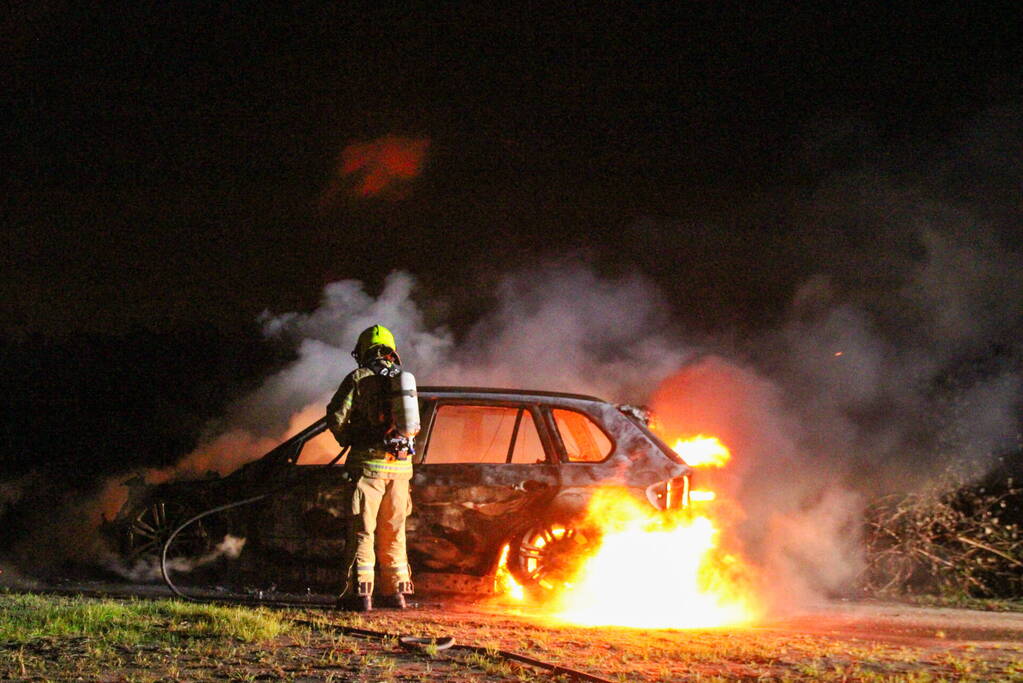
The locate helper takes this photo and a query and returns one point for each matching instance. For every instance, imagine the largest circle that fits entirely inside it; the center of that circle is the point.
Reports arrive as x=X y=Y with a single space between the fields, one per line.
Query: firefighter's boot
x=360 y=601
x=394 y=600
x=397 y=599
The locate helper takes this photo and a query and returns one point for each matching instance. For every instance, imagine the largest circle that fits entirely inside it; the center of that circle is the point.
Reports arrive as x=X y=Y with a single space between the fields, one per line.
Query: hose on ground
x=448 y=643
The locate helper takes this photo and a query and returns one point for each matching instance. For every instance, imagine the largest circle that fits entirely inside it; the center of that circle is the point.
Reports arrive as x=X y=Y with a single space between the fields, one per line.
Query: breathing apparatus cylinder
x=404 y=405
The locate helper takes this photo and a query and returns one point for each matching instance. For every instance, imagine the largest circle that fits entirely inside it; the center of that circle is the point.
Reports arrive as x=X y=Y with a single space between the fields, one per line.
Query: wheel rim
x=152 y=525
x=548 y=555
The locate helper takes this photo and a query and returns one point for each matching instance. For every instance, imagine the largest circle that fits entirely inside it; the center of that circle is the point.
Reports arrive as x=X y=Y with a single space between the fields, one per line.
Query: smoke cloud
x=842 y=401
x=557 y=327
x=897 y=360
x=380 y=167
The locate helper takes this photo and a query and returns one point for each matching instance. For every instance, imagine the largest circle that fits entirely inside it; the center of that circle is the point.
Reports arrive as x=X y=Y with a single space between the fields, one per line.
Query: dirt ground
x=838 y=641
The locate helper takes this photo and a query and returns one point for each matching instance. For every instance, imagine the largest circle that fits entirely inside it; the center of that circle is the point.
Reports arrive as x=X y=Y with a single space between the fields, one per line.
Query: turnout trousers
x=379 y=508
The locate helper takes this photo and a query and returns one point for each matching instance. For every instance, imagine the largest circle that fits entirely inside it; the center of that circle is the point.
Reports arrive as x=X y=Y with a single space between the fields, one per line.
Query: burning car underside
x=494 y=468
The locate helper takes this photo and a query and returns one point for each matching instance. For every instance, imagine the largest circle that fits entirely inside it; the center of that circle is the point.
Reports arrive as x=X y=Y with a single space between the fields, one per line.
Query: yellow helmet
x=372 y=337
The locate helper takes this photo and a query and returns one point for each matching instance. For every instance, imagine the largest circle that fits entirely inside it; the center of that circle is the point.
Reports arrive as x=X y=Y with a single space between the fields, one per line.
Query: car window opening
x=584 y=441
x=483 y=434
x=319 y=450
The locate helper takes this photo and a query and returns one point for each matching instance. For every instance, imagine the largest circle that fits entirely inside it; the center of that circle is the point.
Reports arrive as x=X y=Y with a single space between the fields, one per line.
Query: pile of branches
x=951 y=541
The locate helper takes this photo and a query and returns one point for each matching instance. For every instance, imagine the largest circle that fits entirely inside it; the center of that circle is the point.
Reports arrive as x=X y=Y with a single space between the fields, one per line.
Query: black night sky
x=165 y=167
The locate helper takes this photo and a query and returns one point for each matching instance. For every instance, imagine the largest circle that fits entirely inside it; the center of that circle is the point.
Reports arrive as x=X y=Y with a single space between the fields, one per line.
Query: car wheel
x=152 y=524
x=545 y=556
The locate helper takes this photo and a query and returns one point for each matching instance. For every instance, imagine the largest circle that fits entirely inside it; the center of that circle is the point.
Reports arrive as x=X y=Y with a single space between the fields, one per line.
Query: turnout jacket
x=358 y=416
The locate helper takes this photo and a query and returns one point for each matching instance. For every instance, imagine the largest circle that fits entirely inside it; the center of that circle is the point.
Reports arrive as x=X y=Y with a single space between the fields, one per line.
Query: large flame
x=656 y=570
x=652 y=568
x=702 y=451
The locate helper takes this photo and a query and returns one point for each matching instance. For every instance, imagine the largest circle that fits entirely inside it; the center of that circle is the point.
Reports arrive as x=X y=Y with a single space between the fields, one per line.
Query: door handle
x=530 y=485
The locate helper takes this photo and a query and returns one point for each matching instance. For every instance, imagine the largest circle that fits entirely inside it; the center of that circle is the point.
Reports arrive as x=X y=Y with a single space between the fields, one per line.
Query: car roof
x=495 y=392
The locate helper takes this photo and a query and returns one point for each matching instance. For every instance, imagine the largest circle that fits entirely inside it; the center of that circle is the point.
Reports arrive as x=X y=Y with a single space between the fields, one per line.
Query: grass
x=47 y=638
x=28 y=617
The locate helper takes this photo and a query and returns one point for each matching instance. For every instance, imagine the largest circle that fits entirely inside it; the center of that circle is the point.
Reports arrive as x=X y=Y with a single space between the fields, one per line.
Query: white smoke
x=556 y=327
x=563 y=328
x=325 y=339
x=149 y=569
x=922 y=372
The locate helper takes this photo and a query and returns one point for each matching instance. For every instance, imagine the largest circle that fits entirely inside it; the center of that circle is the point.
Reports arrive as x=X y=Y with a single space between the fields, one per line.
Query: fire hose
x=413 y=643
x=165 y=570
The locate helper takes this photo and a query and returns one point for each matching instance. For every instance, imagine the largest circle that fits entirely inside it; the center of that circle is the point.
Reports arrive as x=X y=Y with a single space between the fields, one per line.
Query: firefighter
x=372 y=413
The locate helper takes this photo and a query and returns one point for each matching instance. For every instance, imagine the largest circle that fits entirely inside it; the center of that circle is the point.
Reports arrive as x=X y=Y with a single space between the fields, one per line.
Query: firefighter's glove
x=401 y=446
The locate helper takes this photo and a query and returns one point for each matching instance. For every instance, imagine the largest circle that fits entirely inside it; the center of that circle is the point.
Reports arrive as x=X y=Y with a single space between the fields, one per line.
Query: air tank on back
x=405 y=404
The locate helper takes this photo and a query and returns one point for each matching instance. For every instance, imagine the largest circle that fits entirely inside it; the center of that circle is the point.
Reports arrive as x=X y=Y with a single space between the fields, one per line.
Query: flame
x=641 y=567
x=504 y=583
x=702 y=451
x=656 y=569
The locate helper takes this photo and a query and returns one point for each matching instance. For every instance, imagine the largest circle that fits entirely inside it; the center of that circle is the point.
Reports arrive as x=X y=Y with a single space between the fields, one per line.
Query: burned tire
x=150 y=525
x=546 y=556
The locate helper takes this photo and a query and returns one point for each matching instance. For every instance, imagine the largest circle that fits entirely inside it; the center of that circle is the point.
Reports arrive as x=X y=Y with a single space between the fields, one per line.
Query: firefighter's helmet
x=372 y=338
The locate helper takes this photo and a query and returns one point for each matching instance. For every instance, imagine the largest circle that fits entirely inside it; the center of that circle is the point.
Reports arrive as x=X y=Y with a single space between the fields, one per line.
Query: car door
x=296 y=537
x=485 y=469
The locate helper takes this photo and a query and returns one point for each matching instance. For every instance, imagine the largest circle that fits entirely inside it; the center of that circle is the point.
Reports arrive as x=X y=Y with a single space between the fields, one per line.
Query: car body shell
x=464 y=513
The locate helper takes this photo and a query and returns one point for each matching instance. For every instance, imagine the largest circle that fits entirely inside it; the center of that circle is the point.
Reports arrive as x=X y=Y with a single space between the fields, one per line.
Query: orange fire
x=651 y=568
x=702 y=451
x=656 y=570
x=504 y=583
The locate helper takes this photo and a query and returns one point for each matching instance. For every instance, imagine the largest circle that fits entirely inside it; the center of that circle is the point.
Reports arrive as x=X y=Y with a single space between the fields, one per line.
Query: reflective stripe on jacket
x=378 y=464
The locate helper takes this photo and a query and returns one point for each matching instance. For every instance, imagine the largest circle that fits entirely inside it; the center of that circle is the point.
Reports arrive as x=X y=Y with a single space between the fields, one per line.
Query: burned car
x=493 y=468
